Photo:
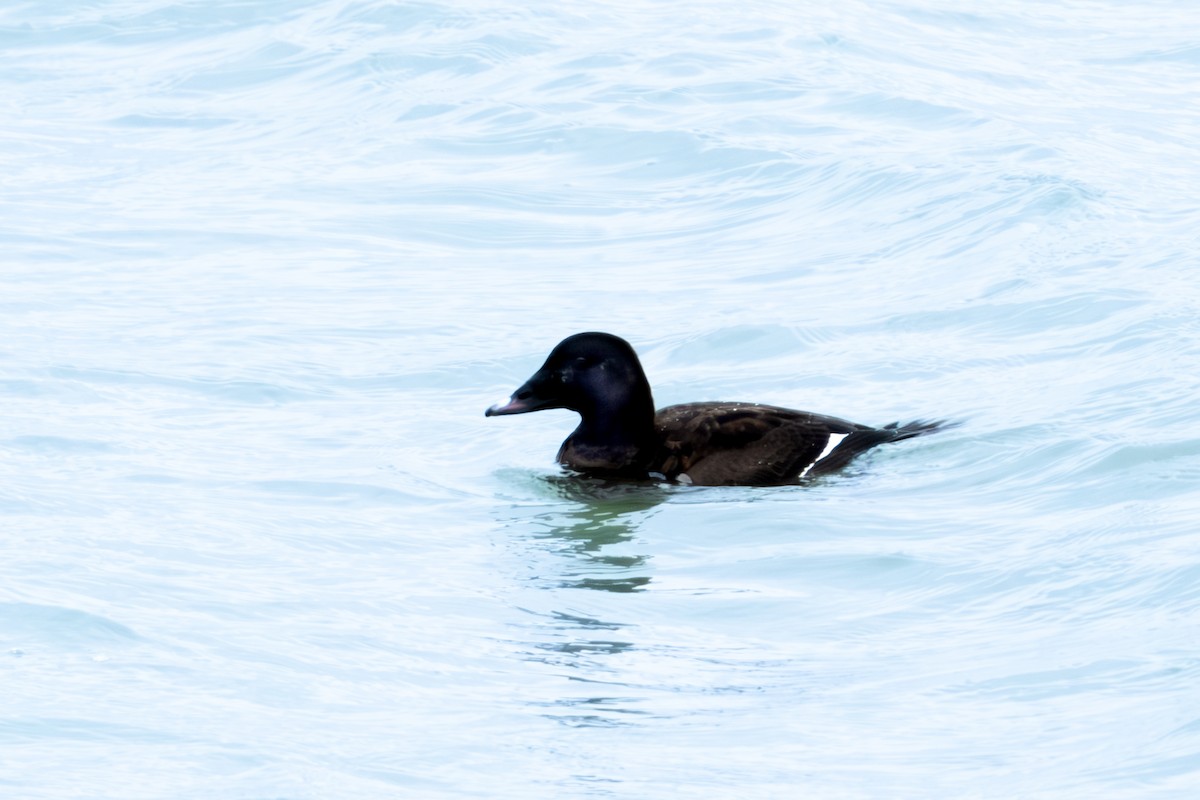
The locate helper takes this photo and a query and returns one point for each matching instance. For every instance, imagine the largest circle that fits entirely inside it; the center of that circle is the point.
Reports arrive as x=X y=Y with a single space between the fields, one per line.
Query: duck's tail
x=861 y=441
x=918 y=427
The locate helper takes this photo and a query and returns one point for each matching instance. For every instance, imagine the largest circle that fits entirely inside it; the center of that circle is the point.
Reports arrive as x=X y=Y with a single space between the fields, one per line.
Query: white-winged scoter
x=620 y=435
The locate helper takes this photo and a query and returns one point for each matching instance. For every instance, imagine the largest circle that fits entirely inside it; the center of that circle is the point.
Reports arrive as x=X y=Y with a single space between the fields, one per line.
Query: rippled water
x=265 y=264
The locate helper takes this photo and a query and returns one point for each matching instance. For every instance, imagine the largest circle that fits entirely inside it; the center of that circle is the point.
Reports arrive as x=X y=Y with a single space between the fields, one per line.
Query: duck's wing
x=744 y=443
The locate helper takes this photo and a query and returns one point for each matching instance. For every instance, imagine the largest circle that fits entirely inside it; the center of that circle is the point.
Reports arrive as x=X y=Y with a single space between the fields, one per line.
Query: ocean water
x=264 y=264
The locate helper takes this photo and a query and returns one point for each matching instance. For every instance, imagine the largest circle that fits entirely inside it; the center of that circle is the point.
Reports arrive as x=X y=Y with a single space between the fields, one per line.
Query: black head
x=596 y=374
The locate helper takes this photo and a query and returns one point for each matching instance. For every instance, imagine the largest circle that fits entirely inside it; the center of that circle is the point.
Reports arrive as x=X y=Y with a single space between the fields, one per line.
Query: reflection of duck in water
x=607 y=514
x=621 y=436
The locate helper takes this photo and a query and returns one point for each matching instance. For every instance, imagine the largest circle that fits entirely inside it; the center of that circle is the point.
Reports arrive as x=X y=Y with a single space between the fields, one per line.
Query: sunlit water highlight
x=265 y=264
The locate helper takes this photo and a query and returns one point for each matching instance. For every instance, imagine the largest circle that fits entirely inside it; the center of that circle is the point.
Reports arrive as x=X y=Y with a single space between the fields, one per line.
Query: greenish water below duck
x=265 y=265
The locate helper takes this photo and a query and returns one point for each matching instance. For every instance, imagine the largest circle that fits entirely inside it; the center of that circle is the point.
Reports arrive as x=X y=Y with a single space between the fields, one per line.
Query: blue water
x=263 y=265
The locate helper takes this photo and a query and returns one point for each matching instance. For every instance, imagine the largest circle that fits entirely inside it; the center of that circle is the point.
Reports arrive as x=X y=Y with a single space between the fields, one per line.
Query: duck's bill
x=510 y=406
x=530 y=396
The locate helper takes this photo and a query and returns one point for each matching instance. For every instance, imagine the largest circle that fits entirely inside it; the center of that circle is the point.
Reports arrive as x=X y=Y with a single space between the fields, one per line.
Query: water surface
x=264 y=265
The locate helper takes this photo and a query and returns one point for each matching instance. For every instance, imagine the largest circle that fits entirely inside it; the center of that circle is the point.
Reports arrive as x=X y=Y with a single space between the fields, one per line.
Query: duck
x=621 y=435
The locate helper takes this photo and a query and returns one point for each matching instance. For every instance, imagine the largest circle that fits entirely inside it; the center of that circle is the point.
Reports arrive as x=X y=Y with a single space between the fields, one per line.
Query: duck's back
x=747 y=443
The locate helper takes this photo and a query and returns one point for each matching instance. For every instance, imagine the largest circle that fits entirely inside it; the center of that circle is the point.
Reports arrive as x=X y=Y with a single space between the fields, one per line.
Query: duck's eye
x=582 y=362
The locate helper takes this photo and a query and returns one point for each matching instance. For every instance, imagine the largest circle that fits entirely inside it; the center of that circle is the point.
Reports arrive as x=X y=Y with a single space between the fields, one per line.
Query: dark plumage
x=620 y=435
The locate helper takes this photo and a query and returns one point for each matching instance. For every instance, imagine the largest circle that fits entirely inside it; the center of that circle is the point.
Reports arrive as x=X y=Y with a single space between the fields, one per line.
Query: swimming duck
x=620 y=435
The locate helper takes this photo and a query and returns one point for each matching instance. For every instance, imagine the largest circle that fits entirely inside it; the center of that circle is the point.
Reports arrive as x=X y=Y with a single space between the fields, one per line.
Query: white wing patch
x=834 y=440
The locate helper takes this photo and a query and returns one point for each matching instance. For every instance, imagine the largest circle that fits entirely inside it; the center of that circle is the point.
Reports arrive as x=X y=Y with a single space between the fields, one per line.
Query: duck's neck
x=631 y=424
x=615 y=438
